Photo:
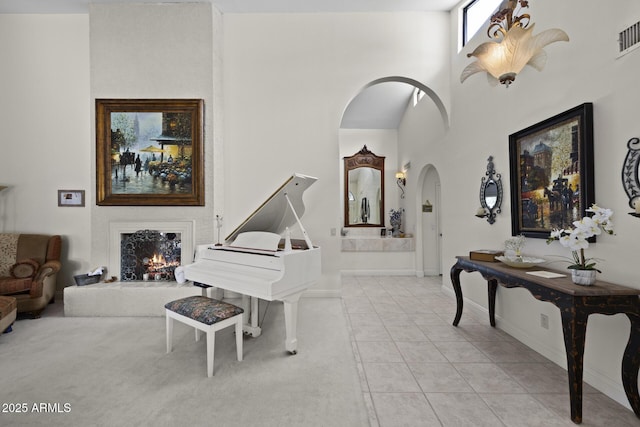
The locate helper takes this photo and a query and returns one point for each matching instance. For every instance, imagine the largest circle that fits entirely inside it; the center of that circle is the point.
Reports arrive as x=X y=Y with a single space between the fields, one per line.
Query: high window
x=475 y=15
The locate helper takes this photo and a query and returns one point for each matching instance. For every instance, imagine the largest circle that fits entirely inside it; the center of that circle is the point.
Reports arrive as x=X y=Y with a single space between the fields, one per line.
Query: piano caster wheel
x=293 y=352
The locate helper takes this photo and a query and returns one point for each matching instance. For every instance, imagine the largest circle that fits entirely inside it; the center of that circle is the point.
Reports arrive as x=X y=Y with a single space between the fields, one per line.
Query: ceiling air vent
x=629 y=39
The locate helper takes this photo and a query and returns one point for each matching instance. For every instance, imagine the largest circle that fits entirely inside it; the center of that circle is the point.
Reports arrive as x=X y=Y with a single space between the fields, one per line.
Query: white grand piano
x=260 y=261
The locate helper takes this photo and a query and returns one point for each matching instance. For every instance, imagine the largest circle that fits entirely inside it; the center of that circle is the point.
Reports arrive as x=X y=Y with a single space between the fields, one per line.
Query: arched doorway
x=428 y=231
x=360 y=114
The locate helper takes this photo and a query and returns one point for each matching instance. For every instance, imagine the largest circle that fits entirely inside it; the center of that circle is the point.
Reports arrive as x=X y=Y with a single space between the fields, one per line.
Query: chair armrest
x=49 y=268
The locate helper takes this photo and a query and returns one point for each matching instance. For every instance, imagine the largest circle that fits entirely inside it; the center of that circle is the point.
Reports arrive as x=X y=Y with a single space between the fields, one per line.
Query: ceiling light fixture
x=517 y=46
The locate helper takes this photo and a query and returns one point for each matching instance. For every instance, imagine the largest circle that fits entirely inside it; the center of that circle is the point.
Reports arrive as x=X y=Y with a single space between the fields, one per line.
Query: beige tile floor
x=417 y=369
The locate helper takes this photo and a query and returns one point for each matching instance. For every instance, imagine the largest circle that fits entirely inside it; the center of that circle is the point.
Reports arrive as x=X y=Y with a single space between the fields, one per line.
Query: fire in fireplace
x=149 y=255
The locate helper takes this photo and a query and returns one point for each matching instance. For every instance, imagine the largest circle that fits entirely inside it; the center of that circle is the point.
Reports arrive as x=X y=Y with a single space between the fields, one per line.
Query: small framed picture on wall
x=68 y=198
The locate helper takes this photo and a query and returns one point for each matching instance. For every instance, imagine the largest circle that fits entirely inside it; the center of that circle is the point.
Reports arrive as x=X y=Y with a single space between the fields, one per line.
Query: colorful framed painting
x=551 y=166
x=149 y=152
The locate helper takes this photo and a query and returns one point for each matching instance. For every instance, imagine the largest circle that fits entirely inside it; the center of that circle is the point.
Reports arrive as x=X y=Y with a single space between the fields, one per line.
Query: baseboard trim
x=606 y=385
x=378 y=272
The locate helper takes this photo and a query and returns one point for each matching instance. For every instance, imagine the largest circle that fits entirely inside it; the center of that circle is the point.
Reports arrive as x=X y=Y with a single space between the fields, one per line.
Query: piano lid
x=275 y=214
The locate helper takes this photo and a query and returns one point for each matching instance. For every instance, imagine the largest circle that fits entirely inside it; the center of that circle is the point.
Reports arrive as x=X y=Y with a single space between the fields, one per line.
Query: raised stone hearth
x=132 y=298
x=124 y=298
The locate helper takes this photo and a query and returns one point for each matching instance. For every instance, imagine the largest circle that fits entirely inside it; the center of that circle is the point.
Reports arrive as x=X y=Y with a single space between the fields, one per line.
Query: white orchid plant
x=576 y=238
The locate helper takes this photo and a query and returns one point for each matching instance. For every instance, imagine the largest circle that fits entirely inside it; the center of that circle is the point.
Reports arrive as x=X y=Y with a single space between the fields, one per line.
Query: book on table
x=485 y=255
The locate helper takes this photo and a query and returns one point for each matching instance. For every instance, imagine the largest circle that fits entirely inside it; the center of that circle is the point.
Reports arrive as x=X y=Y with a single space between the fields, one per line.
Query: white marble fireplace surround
x=186 y=229
x=132 y=298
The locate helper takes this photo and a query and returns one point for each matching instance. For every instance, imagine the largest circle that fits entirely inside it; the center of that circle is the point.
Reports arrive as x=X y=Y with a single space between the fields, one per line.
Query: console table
x=576 y=303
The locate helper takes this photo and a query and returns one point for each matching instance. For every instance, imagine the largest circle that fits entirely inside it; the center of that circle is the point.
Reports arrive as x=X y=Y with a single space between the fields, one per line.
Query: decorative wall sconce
x=631 y=175
x=502 y=60
x=490 y=194
x=401 y=180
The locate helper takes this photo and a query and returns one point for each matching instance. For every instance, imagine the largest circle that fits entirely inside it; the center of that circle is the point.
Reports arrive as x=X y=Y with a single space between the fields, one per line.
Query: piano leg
x=250 y=316
x=291 y=320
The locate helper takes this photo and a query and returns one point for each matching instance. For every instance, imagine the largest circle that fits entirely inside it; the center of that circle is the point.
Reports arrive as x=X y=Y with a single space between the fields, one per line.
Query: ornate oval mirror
x=364 y=190
x=491 y=192
x=631 y=175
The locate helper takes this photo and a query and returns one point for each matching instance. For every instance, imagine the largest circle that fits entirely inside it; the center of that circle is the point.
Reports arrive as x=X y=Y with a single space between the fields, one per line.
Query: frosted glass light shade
x=503 y=60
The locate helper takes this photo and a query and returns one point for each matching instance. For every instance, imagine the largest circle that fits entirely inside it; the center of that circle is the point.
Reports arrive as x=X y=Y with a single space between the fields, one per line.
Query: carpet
x=85 y=371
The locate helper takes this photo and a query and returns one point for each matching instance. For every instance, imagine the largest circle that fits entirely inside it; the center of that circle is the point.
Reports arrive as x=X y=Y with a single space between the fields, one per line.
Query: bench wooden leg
x=169 y=333
x=211 y=347
x=239 y=338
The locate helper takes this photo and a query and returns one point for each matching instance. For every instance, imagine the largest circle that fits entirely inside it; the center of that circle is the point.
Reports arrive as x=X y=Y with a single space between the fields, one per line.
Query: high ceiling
x=378 y=107
x=242 y=6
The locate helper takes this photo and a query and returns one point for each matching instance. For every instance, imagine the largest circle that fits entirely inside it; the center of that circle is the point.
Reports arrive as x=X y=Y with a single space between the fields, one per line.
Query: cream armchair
x=29 y=264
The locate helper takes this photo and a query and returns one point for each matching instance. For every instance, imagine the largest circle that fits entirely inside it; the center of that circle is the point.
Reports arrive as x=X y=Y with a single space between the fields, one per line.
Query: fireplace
x=129 y=296
x=149 y=250
x=149 y=255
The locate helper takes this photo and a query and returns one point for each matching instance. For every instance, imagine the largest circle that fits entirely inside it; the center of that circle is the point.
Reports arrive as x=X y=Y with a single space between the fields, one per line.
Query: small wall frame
x=70 y=198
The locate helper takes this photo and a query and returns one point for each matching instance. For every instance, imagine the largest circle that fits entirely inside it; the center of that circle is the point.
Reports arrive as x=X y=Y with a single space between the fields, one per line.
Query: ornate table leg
x=455 y=281
x=631 y=364
x=492 y=286
x=574 y=327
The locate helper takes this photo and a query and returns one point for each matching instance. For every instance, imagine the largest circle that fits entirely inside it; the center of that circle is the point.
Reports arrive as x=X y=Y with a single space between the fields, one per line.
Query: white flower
x=556 y=234
x=566 y=240
x=576 y=239
x=588 y=227
x=600 y=215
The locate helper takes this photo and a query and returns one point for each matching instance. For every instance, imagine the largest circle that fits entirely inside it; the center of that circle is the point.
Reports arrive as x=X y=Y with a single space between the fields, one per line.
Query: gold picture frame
x=149 y=152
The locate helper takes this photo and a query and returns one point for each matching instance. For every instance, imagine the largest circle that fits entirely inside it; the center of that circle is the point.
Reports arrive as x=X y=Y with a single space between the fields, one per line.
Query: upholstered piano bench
x=8 y=312
x=208 y=315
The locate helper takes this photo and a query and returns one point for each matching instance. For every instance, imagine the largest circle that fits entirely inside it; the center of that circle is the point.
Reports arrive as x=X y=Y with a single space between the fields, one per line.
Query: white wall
x=482 y=118
x=288 y=79
x=45 y=116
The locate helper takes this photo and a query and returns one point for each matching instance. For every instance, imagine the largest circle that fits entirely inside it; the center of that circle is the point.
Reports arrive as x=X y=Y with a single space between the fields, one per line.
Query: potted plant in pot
x=583 y=269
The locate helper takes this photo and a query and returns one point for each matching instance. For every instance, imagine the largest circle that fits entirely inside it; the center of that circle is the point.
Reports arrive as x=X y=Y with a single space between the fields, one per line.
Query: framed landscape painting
x=551 y=167
x=149 y=152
